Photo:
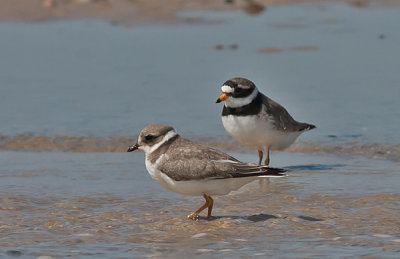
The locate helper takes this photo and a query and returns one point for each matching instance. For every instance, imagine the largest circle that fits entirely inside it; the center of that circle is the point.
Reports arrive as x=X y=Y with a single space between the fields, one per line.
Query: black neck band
x=252 y=108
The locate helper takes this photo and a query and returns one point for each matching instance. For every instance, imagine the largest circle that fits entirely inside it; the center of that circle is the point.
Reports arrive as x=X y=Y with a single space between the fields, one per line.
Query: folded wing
x=200 y=162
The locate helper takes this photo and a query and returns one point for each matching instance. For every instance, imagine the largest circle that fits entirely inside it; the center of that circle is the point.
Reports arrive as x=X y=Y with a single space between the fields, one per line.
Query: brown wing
x=186 y=160
x=281 y=117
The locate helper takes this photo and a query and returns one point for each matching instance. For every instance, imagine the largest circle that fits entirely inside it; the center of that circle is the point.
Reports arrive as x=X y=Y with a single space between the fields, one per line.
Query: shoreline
x=84 y=144
x=129 y=12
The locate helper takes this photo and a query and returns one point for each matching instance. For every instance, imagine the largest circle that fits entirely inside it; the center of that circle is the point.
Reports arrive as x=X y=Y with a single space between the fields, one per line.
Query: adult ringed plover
x=188 y=168
x=255 y=120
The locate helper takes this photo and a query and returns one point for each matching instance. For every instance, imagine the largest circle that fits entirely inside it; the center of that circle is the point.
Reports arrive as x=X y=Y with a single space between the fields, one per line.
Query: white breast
x=156 y=174
x=257 y=133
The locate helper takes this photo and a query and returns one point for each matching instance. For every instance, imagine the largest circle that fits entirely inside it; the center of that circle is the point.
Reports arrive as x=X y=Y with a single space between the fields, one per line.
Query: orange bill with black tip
x=223 y=97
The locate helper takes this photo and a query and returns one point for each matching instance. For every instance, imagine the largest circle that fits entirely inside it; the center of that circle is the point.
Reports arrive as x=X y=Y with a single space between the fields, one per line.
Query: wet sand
x=105 y=204
x=128 y=12
x=67 y=194
x=81 y=144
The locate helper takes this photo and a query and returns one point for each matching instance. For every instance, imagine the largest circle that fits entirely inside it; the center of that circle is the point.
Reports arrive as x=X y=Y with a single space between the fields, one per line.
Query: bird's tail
x=272 y=172
x=306 y=126
x=262 y=171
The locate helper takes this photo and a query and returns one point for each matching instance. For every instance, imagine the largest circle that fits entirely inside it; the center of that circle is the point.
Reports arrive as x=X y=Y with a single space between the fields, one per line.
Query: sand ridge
x=133 y=12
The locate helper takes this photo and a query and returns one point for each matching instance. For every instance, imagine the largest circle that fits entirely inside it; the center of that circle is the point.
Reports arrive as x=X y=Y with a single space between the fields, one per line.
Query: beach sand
x=130 y=12
x=68 y=188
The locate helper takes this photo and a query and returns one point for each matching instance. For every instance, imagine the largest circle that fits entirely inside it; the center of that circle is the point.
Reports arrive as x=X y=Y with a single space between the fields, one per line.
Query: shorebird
x=255 y=120
x=188 y=168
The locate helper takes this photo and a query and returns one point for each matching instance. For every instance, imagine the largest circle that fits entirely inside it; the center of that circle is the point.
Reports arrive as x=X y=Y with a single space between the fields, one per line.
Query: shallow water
x=60 y=81
x=332 y=65
x=105 y=204
x=337 y=69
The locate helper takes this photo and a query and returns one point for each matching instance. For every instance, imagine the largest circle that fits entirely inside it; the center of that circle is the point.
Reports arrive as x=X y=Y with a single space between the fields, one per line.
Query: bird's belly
x=256 y=133
x=195 y=187
x=199 y=187
x=210 y=186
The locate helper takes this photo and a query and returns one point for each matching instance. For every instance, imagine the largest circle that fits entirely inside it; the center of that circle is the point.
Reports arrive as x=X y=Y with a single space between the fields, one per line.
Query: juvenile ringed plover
x=188 y=168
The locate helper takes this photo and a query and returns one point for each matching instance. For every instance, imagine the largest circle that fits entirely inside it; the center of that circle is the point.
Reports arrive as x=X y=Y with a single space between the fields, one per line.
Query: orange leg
x=210 y=206
x=206 y=205
x=260 y=155
x=267 y=158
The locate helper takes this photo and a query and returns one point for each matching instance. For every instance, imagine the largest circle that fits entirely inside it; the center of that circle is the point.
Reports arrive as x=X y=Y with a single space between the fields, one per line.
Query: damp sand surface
x=67 y=189
x=106 y=204
x=128 y=12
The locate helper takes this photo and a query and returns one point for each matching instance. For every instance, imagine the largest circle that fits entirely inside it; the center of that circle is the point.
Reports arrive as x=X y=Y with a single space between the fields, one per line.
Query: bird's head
x=237 y=92
x=152 y=136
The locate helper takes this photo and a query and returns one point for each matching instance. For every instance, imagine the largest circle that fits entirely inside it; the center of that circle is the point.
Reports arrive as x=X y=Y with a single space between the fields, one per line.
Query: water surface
x=337 y=69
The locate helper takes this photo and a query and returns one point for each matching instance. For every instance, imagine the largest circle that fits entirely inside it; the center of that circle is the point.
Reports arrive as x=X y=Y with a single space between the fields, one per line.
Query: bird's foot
x=193 y=216
x=197 y=217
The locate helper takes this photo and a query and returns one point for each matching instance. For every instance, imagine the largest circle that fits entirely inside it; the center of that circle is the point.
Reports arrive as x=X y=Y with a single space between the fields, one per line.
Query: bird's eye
x=149 y=137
